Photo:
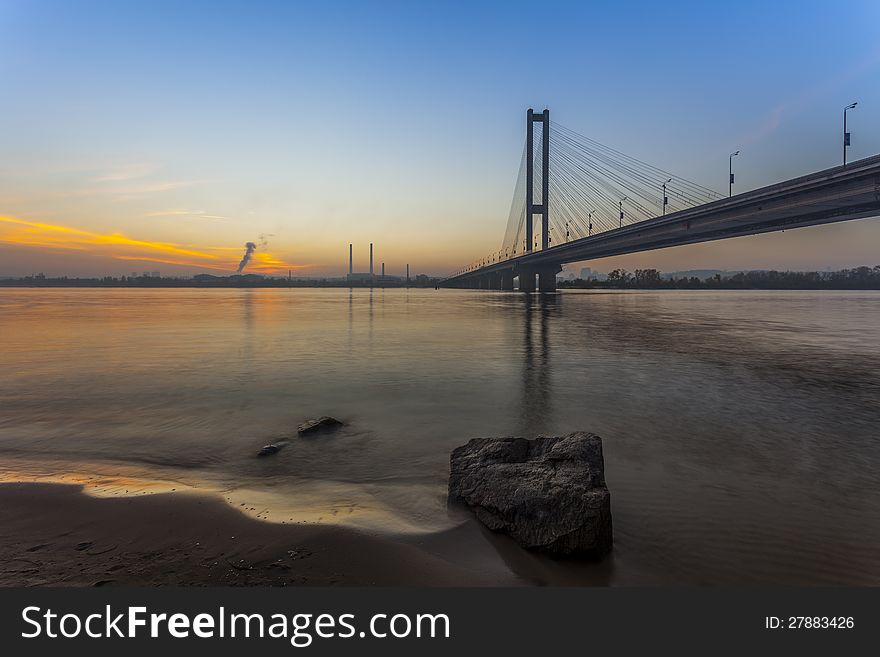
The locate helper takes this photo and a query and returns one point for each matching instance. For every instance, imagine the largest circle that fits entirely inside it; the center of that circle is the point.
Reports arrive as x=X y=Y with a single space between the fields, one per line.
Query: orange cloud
x=265 y=263
x=171 y=261
x=21 y=232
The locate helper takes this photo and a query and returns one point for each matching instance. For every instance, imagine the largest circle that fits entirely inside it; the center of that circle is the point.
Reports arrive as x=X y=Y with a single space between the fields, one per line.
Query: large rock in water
x=322 y=423
x=548 y=493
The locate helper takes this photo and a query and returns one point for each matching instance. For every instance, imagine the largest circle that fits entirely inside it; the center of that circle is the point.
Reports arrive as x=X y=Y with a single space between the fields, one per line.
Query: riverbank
x=57 y=535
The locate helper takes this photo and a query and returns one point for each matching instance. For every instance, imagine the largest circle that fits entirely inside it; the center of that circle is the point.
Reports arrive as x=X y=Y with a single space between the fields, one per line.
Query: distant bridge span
x=841 y=193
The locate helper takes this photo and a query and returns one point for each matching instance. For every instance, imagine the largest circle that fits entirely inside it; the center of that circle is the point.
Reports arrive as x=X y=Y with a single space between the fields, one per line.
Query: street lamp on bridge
x=665 y=198
x=730 y=171
x=620 y=207
x=590 y=229
x=845 y=133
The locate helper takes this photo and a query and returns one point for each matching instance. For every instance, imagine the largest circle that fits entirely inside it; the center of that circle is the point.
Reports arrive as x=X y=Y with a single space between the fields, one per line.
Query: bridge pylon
x=543 y=207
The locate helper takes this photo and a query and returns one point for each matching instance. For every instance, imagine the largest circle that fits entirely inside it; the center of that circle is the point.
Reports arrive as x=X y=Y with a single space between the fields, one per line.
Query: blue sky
x=206 y=124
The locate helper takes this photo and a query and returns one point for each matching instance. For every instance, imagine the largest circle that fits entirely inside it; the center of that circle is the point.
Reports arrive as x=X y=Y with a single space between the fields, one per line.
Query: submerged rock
x=548 y=494
x=322 y=423
x=272 y=448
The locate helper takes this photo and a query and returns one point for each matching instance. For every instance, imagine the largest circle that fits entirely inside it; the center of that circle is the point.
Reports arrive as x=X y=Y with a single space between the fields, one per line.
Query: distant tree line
x=245 y=280
x=859 y=278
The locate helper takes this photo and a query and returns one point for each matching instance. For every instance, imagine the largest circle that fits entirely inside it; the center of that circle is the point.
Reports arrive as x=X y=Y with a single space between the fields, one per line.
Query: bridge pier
x=507 y=280
x=526 y=280
x=547 y=278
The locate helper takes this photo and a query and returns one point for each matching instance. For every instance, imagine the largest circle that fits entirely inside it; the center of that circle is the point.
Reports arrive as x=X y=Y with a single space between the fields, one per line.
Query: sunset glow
x=39 y=235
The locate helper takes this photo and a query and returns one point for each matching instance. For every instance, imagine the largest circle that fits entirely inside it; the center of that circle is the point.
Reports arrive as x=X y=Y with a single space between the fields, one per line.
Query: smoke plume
x=249 y=249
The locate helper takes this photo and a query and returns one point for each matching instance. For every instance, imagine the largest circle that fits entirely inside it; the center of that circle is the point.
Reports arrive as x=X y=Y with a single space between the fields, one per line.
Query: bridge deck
x=836 y=194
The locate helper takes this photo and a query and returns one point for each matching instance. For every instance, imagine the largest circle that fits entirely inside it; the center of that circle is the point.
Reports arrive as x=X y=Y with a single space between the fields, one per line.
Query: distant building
x=155 y=274
x=360 y=277
x=586 y=273
x=702 y=274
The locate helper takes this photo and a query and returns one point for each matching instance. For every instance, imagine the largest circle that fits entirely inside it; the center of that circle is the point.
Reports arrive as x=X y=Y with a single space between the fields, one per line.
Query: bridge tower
x=541 y=208
x=546 y=274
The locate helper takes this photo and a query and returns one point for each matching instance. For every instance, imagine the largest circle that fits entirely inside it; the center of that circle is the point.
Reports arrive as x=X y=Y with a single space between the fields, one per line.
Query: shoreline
x=57 y=535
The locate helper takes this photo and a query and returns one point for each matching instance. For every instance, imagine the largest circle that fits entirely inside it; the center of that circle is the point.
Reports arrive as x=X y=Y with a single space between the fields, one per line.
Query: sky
x=164 y=136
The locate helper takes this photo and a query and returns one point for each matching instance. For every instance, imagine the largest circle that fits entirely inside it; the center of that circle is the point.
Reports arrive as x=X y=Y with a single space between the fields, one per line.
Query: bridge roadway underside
x=833 y=195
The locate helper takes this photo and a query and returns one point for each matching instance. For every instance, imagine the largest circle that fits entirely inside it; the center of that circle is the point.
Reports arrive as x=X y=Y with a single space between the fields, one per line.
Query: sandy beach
x=57 y=535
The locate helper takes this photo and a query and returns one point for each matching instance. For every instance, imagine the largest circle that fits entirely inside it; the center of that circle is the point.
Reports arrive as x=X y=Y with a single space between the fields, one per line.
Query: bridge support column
x=507 y=280
x=495 y=280
x=547 y=278
x=526 y=280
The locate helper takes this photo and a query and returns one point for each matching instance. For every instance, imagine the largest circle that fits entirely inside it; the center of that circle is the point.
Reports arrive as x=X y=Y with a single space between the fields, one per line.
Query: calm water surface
x=741 y=429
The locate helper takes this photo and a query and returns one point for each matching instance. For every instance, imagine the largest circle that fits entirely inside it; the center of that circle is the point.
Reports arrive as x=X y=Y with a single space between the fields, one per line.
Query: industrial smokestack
x=371 y=258
x=407 y=273
x=383 y=270
x=249 y=249
x=350 y=270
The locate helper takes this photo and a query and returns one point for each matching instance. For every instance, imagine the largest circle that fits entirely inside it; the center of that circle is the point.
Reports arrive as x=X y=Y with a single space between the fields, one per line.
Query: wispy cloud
x=35 y=234
x=21 y=231
x=182 y=212
x=132 y=191
x=769 y=123
x=790 y=107
x=126 y=172
x=126 y=192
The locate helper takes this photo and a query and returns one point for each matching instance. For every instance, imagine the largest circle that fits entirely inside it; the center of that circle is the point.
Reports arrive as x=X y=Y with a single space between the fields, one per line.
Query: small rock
x=322 y=423
x=548 y=494
x=270 y=449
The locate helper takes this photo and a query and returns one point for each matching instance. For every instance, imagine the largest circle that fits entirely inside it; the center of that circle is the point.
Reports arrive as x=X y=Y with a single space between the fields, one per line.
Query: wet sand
x=57 y=535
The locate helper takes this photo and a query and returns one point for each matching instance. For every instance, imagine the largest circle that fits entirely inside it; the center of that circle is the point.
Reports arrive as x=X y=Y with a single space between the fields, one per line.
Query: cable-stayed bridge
x=594 y=202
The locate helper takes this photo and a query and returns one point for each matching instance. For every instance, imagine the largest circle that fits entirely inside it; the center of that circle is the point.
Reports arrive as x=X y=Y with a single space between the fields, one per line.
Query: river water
x=741 y=429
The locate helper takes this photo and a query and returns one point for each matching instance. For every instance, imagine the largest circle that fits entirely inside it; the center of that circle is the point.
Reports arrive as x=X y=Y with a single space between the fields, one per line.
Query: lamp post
x=620 y=207
x=665 y=199
x=730 y=171
x=590 y=229
x=845 y=133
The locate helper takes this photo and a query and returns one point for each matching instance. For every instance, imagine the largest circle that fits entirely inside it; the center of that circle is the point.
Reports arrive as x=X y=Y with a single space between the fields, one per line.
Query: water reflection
x=244 y=375
x=536 y=406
